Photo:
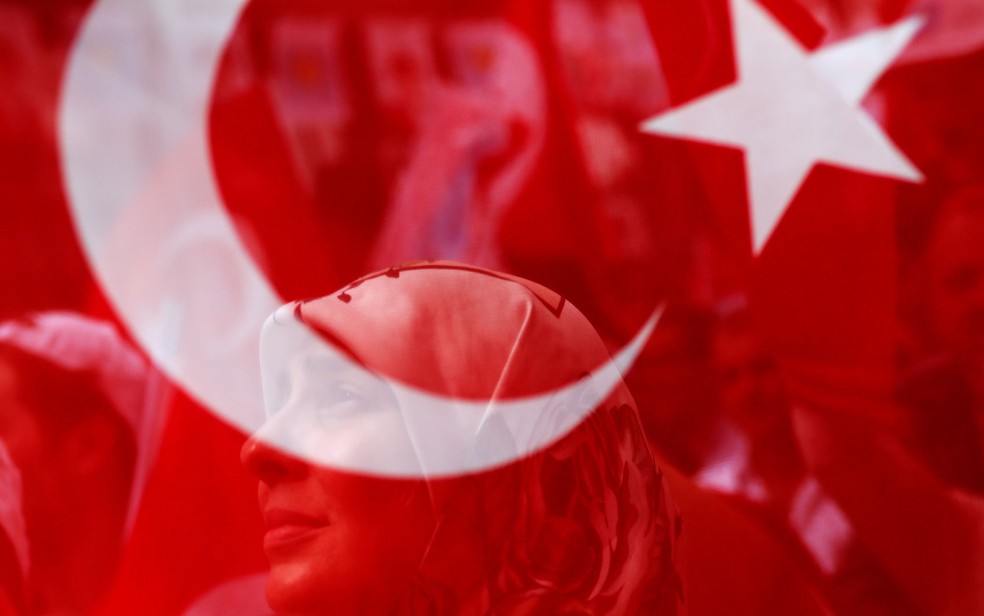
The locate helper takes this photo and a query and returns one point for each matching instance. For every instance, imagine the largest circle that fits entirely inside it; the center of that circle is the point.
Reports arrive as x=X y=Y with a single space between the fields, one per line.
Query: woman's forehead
x=459 y=332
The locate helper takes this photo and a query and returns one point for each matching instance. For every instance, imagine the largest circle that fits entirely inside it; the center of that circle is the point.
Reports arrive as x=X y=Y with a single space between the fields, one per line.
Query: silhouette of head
x=579 y=525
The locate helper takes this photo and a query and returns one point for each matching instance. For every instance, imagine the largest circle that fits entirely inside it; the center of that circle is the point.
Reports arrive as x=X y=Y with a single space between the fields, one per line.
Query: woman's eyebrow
x=334 y=341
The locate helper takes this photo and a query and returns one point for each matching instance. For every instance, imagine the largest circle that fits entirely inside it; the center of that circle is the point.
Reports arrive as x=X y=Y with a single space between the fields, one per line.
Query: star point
x=790 y=109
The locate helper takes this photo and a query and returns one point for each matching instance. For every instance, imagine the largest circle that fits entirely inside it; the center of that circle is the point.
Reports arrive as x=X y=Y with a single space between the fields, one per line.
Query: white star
x=790 y=109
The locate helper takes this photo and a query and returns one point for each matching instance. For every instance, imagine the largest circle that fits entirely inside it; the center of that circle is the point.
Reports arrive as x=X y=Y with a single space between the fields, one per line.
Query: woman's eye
x=339 y=402
x=331 y=396
x=336 y=395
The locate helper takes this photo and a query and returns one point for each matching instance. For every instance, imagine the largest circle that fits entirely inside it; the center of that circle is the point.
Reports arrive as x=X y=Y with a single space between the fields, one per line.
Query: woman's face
x=337 y=542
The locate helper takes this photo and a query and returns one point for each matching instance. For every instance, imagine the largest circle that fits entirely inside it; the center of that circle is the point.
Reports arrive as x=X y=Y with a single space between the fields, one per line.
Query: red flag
x=797 y=181
x=845 y=298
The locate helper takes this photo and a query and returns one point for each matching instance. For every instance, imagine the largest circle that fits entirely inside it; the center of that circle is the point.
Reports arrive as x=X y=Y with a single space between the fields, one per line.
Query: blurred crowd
x=816 y=411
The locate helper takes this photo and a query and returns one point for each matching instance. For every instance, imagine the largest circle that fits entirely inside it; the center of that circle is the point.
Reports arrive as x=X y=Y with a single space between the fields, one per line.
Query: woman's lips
x=285 y=527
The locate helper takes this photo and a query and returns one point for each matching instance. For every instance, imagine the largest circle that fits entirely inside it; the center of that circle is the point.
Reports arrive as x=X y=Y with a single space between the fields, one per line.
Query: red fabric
x=347 y=137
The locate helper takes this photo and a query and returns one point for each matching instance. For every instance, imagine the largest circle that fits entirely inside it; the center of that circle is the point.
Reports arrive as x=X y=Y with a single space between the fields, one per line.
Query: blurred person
x=763 y=462
x=913 y=496
x=73 y=401
x=673 y=382
x=759 y=461
x=923 y=533
x=944 y=390
x=731 y=564
x=581 y=526
x=764 y=469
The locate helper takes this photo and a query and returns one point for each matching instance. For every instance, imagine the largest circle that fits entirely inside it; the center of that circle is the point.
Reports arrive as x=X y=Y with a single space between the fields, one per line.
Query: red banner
x=761 y=215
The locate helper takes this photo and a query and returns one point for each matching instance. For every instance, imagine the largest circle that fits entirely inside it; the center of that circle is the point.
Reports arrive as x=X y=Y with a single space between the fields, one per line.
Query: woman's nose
x=268 y=463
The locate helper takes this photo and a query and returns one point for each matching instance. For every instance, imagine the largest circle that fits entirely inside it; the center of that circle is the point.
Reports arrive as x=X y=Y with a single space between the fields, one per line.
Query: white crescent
x=135 y=158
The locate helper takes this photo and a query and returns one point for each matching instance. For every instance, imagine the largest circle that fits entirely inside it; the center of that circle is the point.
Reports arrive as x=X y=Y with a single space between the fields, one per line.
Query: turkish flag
x=859 y=292
x=796 y=181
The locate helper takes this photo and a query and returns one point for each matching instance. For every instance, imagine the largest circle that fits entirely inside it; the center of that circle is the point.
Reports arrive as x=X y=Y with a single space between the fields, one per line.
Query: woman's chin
x=292 y=588
x=295 y=589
